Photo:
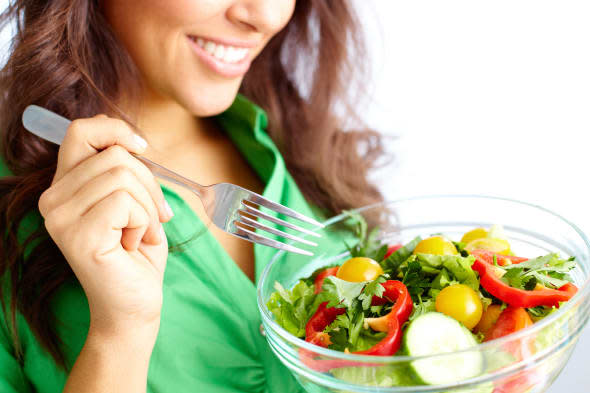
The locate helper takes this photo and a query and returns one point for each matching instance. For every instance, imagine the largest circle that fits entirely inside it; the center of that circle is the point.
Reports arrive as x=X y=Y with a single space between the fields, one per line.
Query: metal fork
x=232 y=208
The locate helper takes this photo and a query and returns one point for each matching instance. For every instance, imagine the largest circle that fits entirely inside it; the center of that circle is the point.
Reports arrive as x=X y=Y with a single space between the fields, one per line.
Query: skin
x=105 y=210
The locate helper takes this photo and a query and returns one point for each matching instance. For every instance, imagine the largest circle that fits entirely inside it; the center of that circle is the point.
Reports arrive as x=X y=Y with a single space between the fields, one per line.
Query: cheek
x=150 y=29
x=154 y=34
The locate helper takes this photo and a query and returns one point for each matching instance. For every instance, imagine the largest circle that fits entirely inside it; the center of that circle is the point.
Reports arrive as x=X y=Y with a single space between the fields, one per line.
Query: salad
x=432 y=295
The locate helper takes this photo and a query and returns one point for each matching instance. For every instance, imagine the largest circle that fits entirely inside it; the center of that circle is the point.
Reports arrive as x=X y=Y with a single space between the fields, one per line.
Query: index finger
x=86 y=137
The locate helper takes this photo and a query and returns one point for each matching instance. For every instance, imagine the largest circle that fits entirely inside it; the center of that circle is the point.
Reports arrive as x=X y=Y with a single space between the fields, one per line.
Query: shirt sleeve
x=12 y=377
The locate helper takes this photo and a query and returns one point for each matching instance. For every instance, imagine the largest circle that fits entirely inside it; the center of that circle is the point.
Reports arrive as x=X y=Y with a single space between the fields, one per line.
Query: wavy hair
x=65 y=57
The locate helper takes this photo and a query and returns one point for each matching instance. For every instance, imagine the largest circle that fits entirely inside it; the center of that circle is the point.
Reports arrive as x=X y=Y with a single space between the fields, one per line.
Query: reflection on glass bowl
x=544 y=348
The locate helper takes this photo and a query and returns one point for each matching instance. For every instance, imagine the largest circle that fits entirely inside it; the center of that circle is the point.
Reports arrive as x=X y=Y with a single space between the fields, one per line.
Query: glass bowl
x=526 y=361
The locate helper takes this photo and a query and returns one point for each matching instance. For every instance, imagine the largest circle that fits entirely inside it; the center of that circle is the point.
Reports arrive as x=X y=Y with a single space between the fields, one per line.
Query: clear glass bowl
x=525 y=361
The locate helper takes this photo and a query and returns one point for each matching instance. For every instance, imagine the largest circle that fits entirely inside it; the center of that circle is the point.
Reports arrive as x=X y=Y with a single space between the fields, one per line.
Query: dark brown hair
x=65 y=57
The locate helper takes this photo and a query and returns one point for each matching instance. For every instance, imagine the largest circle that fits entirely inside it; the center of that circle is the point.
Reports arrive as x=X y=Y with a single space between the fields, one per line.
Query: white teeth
x=210 y=47
x=227 y=54
x=219 y=52
x=230 y=55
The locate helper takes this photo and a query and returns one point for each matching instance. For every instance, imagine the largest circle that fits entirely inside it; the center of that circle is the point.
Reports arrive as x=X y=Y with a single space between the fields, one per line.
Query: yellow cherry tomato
x=436 y=245
x=460 y=302
x=477 y=233
x=359 y=269
x=499 y=246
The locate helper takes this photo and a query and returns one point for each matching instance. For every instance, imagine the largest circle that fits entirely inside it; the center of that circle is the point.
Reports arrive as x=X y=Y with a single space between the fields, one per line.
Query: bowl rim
x=583 y=292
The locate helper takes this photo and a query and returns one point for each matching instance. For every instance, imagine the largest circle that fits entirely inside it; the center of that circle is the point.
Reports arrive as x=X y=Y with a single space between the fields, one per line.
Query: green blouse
x=209 y=338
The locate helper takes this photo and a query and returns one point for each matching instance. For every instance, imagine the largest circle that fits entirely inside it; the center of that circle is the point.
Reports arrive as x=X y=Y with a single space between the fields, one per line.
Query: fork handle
x=52 y=127
x=45 y=124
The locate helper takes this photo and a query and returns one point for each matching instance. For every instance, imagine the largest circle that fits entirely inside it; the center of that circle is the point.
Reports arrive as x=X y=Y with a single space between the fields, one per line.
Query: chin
x=212 y=100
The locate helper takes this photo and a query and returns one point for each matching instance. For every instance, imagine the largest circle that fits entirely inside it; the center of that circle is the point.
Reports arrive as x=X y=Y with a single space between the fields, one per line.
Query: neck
x=165 y=124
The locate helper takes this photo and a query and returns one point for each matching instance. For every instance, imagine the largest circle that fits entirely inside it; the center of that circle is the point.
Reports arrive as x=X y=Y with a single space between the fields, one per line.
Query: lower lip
x=228 y=70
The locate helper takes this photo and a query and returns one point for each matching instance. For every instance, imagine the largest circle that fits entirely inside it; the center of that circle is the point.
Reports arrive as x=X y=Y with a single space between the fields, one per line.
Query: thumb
x=156 y=254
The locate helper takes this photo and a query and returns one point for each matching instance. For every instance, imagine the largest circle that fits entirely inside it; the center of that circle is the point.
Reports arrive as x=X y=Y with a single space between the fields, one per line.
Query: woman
x=87 y=229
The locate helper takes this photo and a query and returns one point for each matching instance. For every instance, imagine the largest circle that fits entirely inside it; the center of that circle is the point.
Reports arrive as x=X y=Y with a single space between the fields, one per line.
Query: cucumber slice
x=433 y=333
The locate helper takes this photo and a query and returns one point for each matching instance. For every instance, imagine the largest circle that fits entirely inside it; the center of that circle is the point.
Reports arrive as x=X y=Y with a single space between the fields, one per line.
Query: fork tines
x=247 y=224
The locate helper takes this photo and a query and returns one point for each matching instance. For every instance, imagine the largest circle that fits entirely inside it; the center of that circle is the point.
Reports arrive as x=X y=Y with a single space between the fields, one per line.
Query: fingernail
x=162 y=233
x=140 y=141
x=168 y=209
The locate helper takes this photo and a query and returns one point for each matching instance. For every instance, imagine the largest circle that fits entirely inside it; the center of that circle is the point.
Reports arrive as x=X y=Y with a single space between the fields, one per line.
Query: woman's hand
x=104 y=210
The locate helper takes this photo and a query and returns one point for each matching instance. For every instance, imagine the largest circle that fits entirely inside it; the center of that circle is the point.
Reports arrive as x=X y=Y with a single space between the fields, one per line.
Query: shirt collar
x=245 y=123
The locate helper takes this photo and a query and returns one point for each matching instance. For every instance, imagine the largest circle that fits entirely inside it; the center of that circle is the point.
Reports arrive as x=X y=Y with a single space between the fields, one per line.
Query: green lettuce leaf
x=395 y=260
x=422 y=307
x=339 y=292
x=459 y=267
x=292 y=309
x=384 y=376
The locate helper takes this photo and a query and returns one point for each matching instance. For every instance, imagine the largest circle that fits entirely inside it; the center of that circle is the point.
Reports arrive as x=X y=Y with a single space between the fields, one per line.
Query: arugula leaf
x=374 y=288
x=292 y=309
x=394 y=261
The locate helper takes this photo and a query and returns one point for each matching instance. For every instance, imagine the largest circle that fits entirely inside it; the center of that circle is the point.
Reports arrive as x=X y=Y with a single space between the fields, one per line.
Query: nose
x=263 y=16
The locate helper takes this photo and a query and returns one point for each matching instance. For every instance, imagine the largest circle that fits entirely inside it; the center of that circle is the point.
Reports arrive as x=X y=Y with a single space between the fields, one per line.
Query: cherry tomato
x=359 y=269
x=511 y=320
x=436 y=245
x=477 y=233
x=488 y=319
x=460 y=302
x=499 y=246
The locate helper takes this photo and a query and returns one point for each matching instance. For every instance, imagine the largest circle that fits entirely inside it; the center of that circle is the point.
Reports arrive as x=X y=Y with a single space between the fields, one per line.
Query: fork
x=230 y=207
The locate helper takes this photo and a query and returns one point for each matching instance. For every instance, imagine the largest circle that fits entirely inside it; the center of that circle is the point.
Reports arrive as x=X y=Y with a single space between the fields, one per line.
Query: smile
x=229 y=61
x=225 y=53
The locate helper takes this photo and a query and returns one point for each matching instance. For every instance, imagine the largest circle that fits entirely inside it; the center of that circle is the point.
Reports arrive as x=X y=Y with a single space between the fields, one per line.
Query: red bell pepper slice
x=502 y=259
x=394 y=291
x=319 y=280
x=397 y=292
x=314 y=330
x=518 y=297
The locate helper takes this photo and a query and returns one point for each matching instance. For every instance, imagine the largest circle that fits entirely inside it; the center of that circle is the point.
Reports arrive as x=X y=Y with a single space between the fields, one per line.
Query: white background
x=486 y=98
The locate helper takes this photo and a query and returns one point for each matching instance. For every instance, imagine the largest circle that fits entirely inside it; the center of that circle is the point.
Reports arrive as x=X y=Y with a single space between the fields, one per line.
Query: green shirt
x=209 y=338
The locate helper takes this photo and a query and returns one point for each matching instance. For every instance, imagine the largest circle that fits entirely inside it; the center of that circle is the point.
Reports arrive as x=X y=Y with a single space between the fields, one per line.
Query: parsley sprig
x=550 y=270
